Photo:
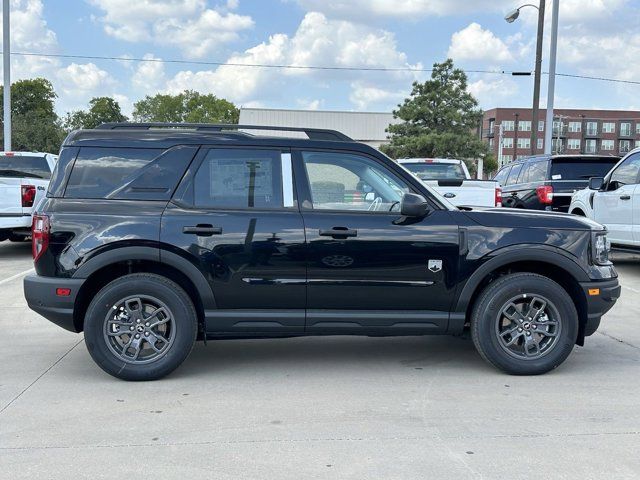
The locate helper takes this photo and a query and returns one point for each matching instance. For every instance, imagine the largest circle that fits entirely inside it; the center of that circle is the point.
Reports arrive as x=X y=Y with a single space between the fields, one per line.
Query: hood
x=501 y=217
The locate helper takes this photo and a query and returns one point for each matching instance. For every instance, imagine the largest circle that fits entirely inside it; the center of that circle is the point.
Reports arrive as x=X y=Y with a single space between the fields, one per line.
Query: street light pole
x=536 y=79
x=6 y=65
x=548 y=131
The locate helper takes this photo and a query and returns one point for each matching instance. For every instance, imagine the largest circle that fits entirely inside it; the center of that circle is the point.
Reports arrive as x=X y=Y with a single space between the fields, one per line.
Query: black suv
x=547 y=182
x=155 y=235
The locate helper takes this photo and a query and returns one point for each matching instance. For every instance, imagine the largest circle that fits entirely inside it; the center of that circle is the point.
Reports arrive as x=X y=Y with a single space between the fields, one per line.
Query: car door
x=615 y=205
x=369 y=269
x=511 y=190
x=234 y=216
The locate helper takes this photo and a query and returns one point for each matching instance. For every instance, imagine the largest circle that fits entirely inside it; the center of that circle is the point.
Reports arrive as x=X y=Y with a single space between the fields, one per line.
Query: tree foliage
x=188 y=106
x=101 y=110
x=35 y=125
x=439 y=119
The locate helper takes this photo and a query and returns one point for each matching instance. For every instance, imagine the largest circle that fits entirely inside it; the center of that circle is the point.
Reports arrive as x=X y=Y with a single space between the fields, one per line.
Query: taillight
x=498 y=198
x=545 y=194
x=39 y=235
x=28 y=195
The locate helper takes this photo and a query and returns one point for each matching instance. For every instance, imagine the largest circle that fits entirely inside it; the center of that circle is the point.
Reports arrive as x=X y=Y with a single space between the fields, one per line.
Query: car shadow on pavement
x=333 y=352
x=13 y=250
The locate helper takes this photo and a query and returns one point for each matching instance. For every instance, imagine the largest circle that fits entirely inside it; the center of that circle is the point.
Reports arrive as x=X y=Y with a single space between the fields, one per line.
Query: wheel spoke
x=133 y=307
x=512 y=313
x=514 y=340
x=160 y=321
x=536 y=307
x=530 y=342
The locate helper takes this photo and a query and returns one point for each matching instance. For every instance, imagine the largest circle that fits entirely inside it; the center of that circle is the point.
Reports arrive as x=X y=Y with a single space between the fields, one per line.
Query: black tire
x=488 y=318
x=182 y=326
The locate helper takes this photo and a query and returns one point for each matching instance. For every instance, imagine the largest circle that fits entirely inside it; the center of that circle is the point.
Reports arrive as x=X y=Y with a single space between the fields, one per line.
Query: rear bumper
x=15 y=221
x=40 y=293
x=599 y=303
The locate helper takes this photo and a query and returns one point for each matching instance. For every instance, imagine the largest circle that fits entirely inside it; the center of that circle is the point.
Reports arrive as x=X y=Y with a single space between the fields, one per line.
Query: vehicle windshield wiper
x=18 y=173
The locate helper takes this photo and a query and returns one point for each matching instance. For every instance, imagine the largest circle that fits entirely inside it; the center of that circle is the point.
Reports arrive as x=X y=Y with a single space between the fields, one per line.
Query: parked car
x=450 y=178
x=614 y=201
x=547 y=182
x=154 y=235
x=24 y=177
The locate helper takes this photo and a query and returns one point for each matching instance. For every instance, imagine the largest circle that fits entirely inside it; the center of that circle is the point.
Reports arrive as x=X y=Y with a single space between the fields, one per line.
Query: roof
x=429 y=160
x=361 y=126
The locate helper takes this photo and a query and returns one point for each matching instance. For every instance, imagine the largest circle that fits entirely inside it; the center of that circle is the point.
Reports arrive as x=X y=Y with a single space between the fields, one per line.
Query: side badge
x=435 y=265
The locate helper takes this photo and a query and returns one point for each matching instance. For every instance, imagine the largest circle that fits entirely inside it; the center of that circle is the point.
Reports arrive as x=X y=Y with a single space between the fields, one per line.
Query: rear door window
x=534 y=172
x=502 y=175
x=578 y=169
x=513 y=174
x=23 y=166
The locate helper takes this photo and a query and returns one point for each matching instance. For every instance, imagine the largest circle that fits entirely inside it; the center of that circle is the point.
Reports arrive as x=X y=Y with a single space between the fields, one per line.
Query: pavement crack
x=619 y=340
x=40 y=376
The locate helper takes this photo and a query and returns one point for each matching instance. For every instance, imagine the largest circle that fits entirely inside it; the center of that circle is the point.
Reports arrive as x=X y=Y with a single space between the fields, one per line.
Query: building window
x=592 y=128
x=520 y=157
x=524 y=143
x=508 y=125
x=557 y=146
x=507 y=143
x=573 y=144
x=524 y=126
x=540 y=144
x=590 y=146
x=638 y=128
x=575 y=127
x=637 y=144
x=506 y=159
x=608 y=127
x=491 y=143
x=541 y=126
x=625 y=129
x=606 y=145
x=625 y=146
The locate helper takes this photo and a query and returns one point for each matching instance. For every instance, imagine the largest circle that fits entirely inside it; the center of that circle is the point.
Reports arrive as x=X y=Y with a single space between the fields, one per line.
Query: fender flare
x=153 y=254
x=519 y=253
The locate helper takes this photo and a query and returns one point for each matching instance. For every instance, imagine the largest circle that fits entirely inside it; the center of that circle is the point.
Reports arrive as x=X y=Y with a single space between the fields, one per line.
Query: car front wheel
x=140 y=327
x=524 y=324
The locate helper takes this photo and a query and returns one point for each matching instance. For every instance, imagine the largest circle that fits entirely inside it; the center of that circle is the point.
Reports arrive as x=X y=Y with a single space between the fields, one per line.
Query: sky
x=596 y=38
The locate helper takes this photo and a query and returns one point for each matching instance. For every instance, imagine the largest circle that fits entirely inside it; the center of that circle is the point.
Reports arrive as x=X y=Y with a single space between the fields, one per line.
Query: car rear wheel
x=140 y=327
x=524 y=324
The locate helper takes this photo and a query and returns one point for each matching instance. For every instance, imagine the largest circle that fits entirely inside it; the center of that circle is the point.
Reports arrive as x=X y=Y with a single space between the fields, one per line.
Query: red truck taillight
x=39 y=235
x=545 y=194
x=28 y=195
x=498 y=197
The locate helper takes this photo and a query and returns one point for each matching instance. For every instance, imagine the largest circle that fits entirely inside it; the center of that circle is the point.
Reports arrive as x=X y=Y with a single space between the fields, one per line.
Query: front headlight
x=600 y=248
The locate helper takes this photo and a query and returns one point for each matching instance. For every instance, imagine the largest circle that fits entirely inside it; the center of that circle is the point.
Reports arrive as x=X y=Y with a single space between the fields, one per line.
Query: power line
x=306 y=67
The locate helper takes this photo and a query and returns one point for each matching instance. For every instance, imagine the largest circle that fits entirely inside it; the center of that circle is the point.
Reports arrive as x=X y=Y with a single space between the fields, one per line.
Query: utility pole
x=548 y=131
x=536 y=79
x=6 y=65
x=515 y=135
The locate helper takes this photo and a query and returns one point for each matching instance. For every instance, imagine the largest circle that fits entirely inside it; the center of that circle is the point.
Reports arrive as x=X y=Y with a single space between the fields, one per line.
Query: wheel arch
x=107 y=266
x=544 y=261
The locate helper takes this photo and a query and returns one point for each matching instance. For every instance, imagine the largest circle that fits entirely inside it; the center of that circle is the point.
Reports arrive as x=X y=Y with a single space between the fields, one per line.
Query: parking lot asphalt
x=333 y=407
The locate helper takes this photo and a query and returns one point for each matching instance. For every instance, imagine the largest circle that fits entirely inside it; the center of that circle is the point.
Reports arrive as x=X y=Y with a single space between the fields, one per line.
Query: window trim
x=184 y=196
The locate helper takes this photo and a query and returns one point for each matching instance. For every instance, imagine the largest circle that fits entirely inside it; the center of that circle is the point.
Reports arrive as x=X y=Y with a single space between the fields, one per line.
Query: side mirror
x=596 y=183
x=413 y=205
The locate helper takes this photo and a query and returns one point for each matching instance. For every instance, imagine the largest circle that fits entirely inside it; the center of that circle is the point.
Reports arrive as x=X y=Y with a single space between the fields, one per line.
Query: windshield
x=581 y=169
x=24 y=166
x=436 y=171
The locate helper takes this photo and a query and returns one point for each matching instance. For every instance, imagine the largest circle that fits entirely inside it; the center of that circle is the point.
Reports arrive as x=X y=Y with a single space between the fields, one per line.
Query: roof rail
x=312 y=133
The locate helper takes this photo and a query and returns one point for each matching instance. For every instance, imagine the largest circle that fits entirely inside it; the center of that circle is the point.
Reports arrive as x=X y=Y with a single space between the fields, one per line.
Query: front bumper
x=40 y=293
x=601 y=297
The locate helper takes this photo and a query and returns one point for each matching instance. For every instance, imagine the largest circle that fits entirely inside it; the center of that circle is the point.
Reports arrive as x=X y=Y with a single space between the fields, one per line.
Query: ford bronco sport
x=155 y=235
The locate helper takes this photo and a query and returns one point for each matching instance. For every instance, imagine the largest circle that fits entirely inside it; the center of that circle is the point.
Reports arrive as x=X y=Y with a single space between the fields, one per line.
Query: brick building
x=608 y=132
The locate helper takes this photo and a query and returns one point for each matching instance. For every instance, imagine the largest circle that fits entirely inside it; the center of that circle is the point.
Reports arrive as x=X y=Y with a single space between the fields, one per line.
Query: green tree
x=439 y=119
x=188 y=106
x=101 y=110
x=35 y=125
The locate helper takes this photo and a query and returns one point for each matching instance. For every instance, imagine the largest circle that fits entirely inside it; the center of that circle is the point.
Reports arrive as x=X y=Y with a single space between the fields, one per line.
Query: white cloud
x=186 y=24
x=494 y=90
x=306 y=104
x=477 y=44
x=149 y=76
x=366 y=96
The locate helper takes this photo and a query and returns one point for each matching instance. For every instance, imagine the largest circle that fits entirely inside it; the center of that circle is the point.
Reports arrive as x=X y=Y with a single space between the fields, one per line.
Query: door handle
x=514 y=194
x=338 y=232
x=625 y=197
x=202 y=230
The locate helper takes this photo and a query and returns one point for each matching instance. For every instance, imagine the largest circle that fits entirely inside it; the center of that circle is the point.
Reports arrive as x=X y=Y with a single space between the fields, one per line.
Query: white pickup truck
x=450 y=178
x=24 y=178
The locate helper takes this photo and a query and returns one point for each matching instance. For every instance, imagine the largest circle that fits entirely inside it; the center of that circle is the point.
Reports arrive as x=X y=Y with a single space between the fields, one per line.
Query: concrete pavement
x=336 y=407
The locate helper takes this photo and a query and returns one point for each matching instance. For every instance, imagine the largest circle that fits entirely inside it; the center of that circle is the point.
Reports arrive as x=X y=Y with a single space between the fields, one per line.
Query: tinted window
x=239 y=179
x=534 y=172
x=577 y=169
x=101 y=172
x=513 y=174
x=435 y=171
x=24 y=166
x=502 y=175
x=341 y=181
x=627 y=172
